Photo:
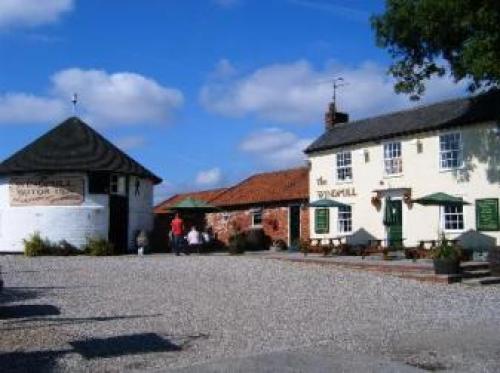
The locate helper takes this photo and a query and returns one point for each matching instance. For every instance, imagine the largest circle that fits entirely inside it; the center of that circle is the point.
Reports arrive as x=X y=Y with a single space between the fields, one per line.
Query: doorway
x=293 y=225
x=118 y=223
x=395 y=227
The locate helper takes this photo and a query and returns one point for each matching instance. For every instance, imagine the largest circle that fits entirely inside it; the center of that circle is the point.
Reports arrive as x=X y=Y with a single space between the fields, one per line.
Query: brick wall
x=274 y=222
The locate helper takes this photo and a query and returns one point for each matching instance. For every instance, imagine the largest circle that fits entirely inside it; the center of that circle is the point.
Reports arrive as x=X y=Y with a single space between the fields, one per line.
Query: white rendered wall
x=140 y=208
x=71 y=223
x=479 y=178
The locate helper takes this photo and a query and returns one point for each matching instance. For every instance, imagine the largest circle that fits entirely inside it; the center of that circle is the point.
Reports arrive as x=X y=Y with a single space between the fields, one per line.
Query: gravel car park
x=164 y=312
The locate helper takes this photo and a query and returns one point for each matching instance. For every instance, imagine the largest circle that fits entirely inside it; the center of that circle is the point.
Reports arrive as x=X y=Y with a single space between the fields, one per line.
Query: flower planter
x=446 y=266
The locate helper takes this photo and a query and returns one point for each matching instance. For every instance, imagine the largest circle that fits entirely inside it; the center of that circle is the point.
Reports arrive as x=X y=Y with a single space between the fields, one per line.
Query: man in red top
x=177 y=226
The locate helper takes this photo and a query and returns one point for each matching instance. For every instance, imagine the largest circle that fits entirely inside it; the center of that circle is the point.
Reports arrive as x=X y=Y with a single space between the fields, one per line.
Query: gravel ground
x=210 y=308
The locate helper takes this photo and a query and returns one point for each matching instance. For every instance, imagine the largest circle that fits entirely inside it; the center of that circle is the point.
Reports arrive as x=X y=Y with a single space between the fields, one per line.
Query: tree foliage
x=432 y=37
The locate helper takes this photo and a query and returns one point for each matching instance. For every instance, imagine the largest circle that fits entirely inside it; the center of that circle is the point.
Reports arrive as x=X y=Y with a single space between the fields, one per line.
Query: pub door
x=395 y=229
x=118 y=222
x=294 y=225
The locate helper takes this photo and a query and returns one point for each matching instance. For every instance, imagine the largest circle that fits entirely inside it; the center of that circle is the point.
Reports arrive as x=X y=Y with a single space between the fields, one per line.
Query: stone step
x=490 y=280
x=467 y=266
x=476 y=273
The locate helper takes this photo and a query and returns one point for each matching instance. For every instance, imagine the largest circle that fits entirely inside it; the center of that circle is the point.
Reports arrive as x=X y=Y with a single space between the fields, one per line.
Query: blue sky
x=202 y=92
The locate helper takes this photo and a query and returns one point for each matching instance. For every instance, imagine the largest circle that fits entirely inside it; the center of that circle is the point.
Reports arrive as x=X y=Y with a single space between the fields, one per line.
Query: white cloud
x=30 y=13
x=25 y=108
x=130 y=142
x=210 y=177
x=275 y=147
x=299 y=93
x=121 y=98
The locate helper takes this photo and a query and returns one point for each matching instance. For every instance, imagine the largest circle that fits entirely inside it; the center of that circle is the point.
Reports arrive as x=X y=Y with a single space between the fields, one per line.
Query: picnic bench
x=336 y=245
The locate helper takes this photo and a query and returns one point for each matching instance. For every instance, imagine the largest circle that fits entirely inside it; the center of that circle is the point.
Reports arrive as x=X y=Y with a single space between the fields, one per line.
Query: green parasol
x=190 y=203
x=440 y=199
x=327 y=203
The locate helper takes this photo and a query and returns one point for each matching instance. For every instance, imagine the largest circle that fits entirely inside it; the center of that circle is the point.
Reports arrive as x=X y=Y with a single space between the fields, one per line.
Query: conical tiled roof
x=73 y=146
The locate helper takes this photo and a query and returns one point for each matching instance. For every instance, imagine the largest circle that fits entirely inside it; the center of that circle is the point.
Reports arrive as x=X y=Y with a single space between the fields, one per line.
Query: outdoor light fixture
x=420 y=146
x=366 y=153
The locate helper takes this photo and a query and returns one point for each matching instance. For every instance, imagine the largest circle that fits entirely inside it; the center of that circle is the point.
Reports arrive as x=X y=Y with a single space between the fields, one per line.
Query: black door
x=294 y=225
x=118 y=223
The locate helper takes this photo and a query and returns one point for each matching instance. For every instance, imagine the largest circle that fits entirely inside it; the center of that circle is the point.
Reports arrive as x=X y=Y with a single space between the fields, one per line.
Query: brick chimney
x=333 y=117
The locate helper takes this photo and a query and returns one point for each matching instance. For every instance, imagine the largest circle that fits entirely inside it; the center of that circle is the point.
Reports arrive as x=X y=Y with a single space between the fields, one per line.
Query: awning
x=325 y=202
x=440 y=199
x=190 y=203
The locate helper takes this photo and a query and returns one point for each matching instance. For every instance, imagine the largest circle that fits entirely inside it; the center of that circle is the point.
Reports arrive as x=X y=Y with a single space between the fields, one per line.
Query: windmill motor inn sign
x=46 y=191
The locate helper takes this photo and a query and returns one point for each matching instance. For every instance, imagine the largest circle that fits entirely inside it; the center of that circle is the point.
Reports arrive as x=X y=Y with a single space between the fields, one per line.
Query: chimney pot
x=333 y=117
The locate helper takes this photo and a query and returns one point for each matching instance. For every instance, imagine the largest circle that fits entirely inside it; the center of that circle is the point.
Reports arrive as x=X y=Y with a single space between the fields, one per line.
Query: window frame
x=341 y=219
x=255 y=213
x=120 y=182
x=326 y=229
x=460 y=157
x=340 y=157
x=392 y=158
x=446 y=214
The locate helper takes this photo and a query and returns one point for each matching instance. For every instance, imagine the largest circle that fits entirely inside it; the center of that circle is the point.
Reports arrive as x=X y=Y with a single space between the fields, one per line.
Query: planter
x=446 y=266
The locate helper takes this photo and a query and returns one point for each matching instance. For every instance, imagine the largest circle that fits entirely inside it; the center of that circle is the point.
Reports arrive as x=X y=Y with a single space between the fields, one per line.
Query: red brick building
x=273 y=201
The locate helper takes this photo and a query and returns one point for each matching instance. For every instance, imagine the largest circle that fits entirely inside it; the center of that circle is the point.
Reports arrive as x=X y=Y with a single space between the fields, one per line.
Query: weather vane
x=74 y=100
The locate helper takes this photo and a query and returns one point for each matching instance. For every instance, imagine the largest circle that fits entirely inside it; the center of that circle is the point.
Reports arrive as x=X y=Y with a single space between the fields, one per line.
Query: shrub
x=280 y=245
x=238 y=244
x=257 y=239
x=35 y=245
x=446 y=250
x=99 y=247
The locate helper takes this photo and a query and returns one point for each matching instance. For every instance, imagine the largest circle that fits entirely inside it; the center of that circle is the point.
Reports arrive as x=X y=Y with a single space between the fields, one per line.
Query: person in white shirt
x=194 y=239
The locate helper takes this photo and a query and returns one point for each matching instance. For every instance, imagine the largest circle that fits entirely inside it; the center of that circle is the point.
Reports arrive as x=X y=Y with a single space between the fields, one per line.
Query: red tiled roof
x=287 y=185
x=204 y=195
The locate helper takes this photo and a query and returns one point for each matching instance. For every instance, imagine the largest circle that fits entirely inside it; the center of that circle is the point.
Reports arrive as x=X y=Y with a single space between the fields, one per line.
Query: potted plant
x=446 y=258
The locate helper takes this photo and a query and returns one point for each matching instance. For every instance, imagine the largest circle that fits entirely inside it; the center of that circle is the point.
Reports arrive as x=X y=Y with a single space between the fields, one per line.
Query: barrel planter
x=446 y=266
x=494 y=259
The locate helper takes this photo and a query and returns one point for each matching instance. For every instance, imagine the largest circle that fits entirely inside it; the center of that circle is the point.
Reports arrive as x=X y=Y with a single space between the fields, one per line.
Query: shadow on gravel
x=123 y=345
x=36 y=361
x=28 y=310
x=56 y=321
x=11 y=295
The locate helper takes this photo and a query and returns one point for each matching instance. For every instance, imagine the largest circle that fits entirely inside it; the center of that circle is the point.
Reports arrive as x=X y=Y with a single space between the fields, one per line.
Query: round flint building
x=72 y=184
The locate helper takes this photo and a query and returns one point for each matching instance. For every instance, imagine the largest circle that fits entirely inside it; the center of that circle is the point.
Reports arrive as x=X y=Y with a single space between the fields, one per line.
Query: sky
x=202 y=92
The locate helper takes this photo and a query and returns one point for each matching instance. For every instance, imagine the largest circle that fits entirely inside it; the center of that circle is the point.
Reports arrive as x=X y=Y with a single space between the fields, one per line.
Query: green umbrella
x=440 y=199
x=327 y=203
x=190 y=203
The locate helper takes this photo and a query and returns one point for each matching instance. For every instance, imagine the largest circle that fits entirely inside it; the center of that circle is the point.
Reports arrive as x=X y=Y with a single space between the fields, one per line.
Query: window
x=344 y=166
x=453 y=218
x=450 y=151
x=322 y=221
x=345 y=219
x=393 y=163
x=99 y=183
x=257 y=218
x=118 y=185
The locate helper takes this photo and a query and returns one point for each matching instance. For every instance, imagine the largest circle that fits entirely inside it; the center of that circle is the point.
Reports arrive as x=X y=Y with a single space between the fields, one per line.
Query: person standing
x=194 y=239
x=177 y=226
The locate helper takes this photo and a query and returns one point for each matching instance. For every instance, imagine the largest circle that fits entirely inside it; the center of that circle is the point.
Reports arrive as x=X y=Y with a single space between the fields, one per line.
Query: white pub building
x=72 y=184
x=410 y=176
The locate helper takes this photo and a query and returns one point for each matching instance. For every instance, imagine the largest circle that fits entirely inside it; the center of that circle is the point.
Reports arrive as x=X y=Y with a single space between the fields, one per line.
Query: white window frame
x=341 y=166
x=445 y=215
x=460 y=158
x=392 y=159
x=341 y=219
x=118 y=185
x=255 y=213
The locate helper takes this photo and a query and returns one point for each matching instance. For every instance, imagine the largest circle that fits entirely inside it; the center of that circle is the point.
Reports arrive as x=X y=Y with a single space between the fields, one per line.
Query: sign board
x=335 y=193
x=46 y=191
x=487 y=215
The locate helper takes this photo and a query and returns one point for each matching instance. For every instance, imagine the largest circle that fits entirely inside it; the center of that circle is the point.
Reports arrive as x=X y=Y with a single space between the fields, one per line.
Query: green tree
x=432 y=37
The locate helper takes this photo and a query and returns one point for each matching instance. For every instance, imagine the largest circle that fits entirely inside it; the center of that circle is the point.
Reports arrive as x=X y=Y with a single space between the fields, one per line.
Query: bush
x=238 y=244
x=99 y=247
x=257 y=239
x=35 y=245
x=446 y=250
